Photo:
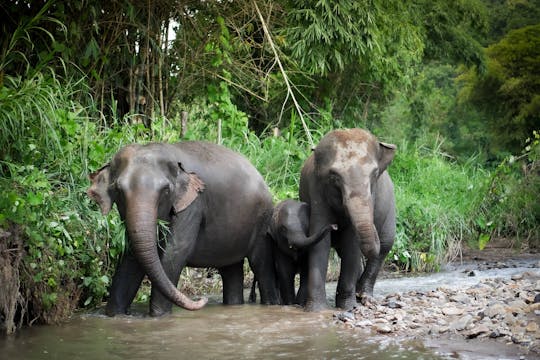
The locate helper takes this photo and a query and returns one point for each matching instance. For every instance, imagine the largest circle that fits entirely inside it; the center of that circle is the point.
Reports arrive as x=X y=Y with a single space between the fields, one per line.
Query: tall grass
x=436 y=199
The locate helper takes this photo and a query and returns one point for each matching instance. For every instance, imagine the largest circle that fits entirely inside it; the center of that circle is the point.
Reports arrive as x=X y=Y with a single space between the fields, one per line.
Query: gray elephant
x=288 y=230
x=345 y=182
x=217 y=207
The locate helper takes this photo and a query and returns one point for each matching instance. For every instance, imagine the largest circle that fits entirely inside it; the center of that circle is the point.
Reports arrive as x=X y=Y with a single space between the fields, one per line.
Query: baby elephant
x=288 y=230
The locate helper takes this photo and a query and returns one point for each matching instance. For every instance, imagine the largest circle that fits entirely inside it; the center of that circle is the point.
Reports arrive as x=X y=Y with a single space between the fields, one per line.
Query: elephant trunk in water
x=361 y=215
x=141 y=224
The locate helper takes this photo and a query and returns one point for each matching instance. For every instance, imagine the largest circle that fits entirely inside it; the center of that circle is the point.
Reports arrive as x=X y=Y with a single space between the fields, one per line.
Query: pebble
x=451 y=311
x=383 y=328
x=504 y=310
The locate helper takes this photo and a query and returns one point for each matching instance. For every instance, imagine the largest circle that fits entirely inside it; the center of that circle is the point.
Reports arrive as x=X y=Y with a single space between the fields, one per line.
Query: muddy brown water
x=242 y=332
x=215 y=332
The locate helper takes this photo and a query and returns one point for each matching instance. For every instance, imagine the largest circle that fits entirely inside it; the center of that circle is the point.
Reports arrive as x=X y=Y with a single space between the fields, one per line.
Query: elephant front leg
x=317 y=268
x=351 y=265
x=373 y=266
x=233 y=283
x=125 y=284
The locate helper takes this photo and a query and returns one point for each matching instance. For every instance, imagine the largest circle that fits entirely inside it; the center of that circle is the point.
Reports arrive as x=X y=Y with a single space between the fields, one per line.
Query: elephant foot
x=113 y=310
x=312 y=306
x=156 y=311
x=366 y=299
x=346 y=303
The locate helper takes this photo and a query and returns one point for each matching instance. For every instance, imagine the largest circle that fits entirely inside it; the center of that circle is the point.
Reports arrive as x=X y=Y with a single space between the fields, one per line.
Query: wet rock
x=502 y=309
x=462 y=323
x=494 y=310
x=452 y=311
x=345 y=316
x=383 y=328
x=532 y=327
x=461 y=298
x=393 y=304
x=517 y=277
x=363 y=323
x=477 y=331
x=496 y=334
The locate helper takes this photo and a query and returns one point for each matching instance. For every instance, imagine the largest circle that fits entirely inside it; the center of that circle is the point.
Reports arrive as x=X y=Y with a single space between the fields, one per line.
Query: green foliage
x=452 y=29
x=509 y=92
x=510 y=207
x=50 y=144
x=436 y=198
x=327 y=36
x=505 y=16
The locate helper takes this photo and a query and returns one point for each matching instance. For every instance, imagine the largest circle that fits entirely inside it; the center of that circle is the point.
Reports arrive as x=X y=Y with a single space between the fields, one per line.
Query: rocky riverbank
x=505 y=310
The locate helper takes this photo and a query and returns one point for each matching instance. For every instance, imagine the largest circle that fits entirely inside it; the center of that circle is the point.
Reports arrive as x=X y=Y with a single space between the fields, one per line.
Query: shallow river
x=242 y=332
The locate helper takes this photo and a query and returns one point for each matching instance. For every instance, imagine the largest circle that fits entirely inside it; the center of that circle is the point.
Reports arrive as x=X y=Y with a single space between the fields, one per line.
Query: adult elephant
x=217 y=207
x=288 y=229
x=346 y=183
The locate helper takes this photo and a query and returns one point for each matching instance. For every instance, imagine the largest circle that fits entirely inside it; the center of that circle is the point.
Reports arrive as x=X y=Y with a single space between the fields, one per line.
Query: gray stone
x=452 y=311
x=383 y=328
x=477 y=330
x=462 y=323
x=494 y=310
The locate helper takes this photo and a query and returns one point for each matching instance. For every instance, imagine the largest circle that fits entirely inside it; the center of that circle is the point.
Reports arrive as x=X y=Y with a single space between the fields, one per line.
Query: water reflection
x=224 y=332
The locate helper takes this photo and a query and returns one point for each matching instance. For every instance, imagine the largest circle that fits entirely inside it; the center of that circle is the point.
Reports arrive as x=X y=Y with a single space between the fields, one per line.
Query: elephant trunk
x=361 y=214
x=141 y=224
x=303 y=241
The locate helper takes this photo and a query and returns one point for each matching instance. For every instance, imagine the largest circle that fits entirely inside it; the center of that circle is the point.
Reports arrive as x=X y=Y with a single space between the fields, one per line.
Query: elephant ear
x=187 y=190
x=99 y=188
x=386 y=155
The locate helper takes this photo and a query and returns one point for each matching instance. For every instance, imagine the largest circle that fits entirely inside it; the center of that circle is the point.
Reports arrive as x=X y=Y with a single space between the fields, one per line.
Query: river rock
x=383 y=328
x=452 y=311
x=461 y=298
x=532 y=326
x=363 y=323
x=477 y=330
x=462 y=323
x=494 y=310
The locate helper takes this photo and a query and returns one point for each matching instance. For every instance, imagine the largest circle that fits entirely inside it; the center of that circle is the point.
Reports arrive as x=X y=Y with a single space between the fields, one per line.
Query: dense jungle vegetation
x=454 y=84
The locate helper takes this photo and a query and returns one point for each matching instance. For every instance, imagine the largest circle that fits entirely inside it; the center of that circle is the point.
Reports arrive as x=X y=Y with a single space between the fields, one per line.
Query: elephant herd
x=219 y=211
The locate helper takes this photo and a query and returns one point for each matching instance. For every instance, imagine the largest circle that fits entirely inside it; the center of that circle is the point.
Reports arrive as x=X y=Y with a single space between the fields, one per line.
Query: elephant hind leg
x=233 y=283
x=261 y=261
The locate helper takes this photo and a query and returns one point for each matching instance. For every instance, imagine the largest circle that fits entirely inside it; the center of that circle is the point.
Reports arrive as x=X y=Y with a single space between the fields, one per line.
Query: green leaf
x=483 y=240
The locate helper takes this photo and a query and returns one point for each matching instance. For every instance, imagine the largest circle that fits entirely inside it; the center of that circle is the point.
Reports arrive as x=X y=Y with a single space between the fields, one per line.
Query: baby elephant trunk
x=302 y=242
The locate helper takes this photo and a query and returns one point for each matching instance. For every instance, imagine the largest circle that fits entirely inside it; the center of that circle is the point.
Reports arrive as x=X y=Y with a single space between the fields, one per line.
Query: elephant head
x=147 y=184
x=290 y=226
x=348 y=164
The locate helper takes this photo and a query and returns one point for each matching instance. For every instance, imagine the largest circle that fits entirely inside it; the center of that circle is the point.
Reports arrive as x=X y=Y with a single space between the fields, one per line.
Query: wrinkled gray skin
x=217 y=206
x=345 y=182
x=288 y=230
